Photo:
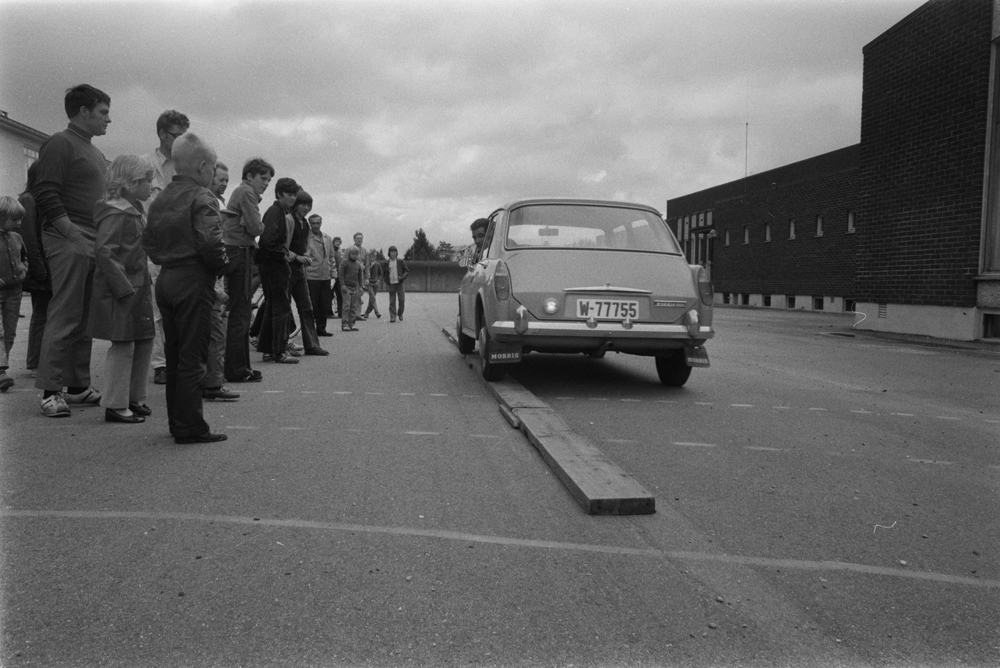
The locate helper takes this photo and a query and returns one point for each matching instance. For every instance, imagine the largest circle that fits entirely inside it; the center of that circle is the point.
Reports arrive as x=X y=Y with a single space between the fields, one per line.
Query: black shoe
x=111 y=415
x=220 y=394
x=253 y=377
x=207 y=437
x=160 y=375
x=140 y=409
x=325 y=333
x=319 y=352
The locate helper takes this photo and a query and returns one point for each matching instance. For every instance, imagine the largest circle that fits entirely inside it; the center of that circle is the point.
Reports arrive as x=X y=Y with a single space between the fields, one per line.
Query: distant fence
x=433 y=276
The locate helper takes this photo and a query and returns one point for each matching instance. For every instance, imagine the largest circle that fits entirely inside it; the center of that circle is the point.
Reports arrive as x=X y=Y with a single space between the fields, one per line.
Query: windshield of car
x=582 y=226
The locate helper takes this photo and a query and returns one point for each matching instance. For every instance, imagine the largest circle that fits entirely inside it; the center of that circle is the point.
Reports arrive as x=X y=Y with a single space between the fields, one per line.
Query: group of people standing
x=145 y=253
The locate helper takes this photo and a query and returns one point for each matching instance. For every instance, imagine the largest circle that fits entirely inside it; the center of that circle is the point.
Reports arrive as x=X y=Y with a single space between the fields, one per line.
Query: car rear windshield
x=581 y=226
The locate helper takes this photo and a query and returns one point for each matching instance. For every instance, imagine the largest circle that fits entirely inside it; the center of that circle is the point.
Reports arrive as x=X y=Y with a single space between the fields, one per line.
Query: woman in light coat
x=121 y=309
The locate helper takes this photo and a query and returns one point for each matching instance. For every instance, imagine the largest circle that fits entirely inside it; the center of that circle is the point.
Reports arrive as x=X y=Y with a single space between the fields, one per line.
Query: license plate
x=607 y=309
x=697 y=357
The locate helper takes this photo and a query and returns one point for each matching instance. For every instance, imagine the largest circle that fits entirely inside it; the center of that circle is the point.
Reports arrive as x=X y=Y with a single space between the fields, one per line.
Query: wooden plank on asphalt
x=598 y=484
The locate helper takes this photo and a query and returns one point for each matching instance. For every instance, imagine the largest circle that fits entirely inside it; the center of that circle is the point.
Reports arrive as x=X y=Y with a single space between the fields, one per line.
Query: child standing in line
x=374 y=276
x=121 y=306
x=352 y=280
x=13 y=269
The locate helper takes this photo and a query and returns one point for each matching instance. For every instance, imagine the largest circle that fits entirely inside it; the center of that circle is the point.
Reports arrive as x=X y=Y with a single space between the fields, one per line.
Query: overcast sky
x=428 y=114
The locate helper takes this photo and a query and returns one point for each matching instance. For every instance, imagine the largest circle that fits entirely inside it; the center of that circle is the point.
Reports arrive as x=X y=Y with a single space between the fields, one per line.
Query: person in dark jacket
x=184 y=236
x=394 y=271
x=298 y=260
x=121 y=306
x=37 y=281
x=275 y=273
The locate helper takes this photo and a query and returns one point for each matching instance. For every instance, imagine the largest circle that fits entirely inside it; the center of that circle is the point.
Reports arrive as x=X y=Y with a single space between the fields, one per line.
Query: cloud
x=398 y=115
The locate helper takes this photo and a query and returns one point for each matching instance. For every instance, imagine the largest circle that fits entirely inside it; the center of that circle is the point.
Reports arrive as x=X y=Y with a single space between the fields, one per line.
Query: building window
x=819 y=226
x=708 y=219
x=790 y=301
x=767 y=232
x=791 y=228
x=746 y=234
x=850 y=222
x=727 y=237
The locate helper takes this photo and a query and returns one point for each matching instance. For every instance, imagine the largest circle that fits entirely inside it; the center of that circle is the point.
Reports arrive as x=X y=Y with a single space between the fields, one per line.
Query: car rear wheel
x=673 y=369
x=491 y=372
x=466 y=344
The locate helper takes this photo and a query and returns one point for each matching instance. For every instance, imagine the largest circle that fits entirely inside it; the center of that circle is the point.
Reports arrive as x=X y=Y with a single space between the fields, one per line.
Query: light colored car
x=584 y=276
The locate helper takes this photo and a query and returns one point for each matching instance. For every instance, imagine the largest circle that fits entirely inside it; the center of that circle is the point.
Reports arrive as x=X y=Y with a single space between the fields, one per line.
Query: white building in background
x=19 y=145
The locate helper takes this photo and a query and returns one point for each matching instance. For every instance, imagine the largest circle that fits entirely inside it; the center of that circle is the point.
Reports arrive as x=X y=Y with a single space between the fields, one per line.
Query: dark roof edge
x=896 y=26
x=21 y=128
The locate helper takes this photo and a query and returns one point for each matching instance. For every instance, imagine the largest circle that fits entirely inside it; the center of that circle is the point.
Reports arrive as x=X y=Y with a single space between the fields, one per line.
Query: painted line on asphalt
x=239 y=426
x=819 y=409
x=439 y=395
x=695 y=445
x=761 y=447
x=422 y=433
x=862 y=412
x=947 y=417
x=763 y=562
x=620 y=440
x=930 y=461
x=903 y=414
x=276 y=392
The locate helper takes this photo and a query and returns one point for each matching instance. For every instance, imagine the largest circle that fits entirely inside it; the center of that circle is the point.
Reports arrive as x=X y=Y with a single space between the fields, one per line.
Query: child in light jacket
x=13 y=269
x=121 y=307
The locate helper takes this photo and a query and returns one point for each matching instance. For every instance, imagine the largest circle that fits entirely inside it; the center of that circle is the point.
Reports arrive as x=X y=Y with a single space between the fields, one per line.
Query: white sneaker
x=55 y=406
x=89 y=397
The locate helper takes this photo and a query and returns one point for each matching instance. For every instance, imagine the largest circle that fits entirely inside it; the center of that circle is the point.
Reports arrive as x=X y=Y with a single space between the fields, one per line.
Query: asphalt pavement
x=374 y=508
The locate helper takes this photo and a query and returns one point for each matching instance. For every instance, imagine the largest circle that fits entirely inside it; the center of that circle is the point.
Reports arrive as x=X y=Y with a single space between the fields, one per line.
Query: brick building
x=902 y=227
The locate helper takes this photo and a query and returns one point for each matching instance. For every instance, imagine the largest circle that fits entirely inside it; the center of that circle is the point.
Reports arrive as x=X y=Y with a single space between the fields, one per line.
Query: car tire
x=466 y=344
x=491 y=372
x=673 y=370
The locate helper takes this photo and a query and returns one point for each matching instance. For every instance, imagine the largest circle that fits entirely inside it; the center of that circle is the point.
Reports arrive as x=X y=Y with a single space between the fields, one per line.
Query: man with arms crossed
x=169 y=126
x=240 y=232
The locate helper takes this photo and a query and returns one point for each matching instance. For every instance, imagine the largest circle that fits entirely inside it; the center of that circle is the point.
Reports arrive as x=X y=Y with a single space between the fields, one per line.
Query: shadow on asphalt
x=546 y=374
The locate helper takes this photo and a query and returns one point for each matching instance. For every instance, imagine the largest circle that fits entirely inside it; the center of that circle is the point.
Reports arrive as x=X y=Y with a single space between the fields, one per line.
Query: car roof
x=576 y=200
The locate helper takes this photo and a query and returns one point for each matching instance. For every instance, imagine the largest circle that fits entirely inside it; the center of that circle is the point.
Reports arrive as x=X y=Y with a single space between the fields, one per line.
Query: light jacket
x=324 y=266
x=121 y=305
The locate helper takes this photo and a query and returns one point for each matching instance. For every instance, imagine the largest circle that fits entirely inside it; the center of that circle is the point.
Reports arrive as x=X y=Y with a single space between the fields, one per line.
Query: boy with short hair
x=184 y=237
x=352 y=280
x=13 y=269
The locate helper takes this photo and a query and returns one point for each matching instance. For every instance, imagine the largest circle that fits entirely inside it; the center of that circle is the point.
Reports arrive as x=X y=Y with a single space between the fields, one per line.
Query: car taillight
x=501 y=281
x=704 y=287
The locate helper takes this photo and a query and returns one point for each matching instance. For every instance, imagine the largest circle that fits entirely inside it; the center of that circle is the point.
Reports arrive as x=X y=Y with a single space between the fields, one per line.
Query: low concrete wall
x=433 y=276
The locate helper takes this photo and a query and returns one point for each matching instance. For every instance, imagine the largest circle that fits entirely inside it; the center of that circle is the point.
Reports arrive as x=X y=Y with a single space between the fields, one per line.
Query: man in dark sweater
x=275 y=273
x=184 y=237
x=70 y=180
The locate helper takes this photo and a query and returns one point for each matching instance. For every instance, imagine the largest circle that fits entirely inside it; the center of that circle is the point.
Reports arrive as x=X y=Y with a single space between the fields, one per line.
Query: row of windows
x=694 y=221
x=791 y=229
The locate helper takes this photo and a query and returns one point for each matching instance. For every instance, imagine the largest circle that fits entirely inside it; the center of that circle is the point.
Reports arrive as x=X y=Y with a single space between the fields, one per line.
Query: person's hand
x=306 y=260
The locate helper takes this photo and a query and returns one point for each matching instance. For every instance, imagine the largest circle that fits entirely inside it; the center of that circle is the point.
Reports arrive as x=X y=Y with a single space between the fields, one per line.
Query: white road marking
x=598 y=398
x=696 y=445
x=862 y=412
x=947 y=417
x=472 y=396
x=275 y=391
x=407 y=394
x=343 y=392
x=741 y=405
x=931 y=461
x=903 y=414
x=423 y=433
x=620 y=440
x=375 y=393
x=566 y=398
x=237 y=426
x=633 y=400
x=703 y=403
x=439 y=395
x=819 y=409
x=761 y=447
x=292 y=428
x=309 y=392
x=782 y=408
x=763 y=562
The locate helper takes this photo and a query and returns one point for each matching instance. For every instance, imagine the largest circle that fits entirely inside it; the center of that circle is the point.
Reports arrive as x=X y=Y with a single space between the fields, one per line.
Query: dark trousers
x=321 y=297
x=39 y=312
x=275 y=278
x=372 y=306
x=338 y=294
x=299 y=290
x=185 y=296
x=396 y=290
x=237 y=358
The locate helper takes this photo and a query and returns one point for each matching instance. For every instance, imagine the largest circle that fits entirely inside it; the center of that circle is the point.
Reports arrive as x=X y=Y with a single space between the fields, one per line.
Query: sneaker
x=160 y=375
x=6 y=382
x=89 y=397
x=220 y=394
x=55 y=406
x=285 y=359
x=401 y=317
x=294 y=347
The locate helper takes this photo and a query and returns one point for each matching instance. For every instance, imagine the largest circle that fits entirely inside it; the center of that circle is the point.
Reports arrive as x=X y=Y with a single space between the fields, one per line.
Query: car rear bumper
x=563 y=334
